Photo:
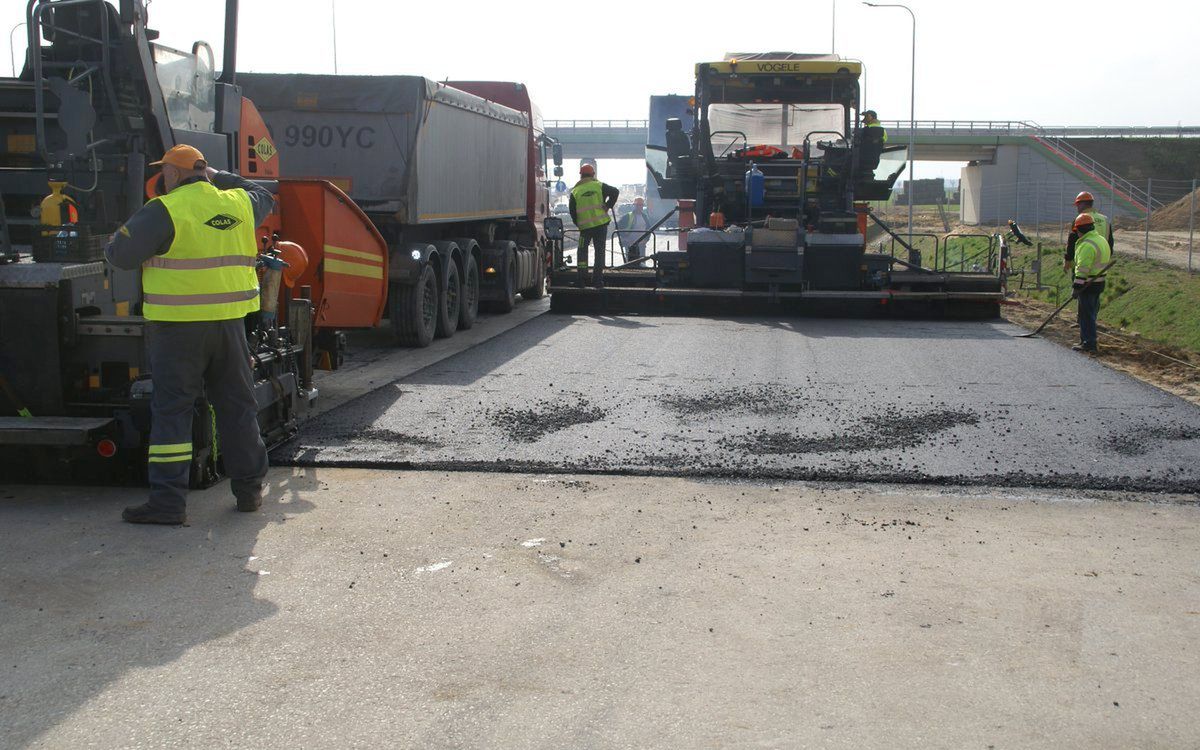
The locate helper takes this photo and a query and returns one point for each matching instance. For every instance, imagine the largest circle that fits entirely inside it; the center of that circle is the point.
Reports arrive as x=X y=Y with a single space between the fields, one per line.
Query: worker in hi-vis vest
x=591 y=200
x=196 y=247
x=871 y=140
x=1085 y=203
x=1092 y=256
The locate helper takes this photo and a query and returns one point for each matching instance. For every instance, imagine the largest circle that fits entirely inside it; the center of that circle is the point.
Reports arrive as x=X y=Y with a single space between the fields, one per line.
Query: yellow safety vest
x=589 y=203
x=208 y=272
x=880 y=126
x=1101 y=222
x=1092 y=253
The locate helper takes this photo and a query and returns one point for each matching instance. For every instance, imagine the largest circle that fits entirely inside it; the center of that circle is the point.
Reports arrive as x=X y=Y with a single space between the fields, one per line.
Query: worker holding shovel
x=1093 y=256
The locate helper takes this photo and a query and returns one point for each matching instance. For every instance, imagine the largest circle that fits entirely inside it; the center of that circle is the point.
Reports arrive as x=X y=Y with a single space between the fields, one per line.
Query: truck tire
x=414 y=309
x=509 y=301
x=468 y=306
x=538 y=290
x=449 y=301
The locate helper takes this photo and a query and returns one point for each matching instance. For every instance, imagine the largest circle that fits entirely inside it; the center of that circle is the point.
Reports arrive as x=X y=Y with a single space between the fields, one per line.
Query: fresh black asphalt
x=960 y=403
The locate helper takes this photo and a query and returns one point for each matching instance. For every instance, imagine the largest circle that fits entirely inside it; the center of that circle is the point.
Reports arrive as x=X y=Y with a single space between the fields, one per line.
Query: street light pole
x=333 y=24
x=912 y=106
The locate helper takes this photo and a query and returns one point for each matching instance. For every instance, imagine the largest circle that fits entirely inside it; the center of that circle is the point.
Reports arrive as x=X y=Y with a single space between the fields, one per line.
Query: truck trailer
x=451 y=175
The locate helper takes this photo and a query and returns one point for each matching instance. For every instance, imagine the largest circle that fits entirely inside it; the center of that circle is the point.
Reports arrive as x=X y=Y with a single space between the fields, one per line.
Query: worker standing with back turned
x=196 y=247
x=591 y=200
x=1085 y=203
x=1092 y=256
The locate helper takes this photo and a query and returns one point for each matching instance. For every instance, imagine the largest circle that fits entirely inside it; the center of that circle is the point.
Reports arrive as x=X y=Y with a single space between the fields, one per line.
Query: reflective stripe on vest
x=208 y=272
x=194 y=264
x=589 y=204
x=1100 y=252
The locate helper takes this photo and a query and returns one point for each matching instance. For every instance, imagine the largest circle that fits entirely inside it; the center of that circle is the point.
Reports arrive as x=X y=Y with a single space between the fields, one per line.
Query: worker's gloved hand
x=1075 y=290
x=1067 y=266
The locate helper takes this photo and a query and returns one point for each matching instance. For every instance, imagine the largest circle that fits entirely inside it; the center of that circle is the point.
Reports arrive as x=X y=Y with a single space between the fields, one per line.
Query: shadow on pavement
x=465 y=368
x=86 y=599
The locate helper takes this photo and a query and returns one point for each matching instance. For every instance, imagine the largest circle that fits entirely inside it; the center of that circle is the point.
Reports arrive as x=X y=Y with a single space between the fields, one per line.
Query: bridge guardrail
x=949 y=127
x=596 y=124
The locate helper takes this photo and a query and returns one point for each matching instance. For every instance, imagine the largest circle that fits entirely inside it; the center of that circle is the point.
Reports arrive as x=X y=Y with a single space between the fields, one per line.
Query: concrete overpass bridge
x=1003 y=154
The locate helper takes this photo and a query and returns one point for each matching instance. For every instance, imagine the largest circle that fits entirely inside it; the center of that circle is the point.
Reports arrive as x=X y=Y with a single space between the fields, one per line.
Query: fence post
x=1062 y=196
x=1149 y=187
x=1192 y=226
x=1037 y=210
x=1038 y=267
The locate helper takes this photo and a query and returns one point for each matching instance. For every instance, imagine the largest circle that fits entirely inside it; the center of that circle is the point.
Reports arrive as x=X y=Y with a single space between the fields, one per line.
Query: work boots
x=598 y=279
x=146 y=513
x=583 y=274
x=248 y=499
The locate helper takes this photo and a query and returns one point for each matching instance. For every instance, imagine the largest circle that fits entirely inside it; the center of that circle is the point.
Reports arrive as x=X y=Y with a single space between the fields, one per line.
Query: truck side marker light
x=489 y=269
x=106 y=448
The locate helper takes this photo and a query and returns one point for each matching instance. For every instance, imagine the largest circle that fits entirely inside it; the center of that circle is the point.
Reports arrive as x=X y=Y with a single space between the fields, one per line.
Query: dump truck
x=451 y=175
x=98 y=99
x=772 y=181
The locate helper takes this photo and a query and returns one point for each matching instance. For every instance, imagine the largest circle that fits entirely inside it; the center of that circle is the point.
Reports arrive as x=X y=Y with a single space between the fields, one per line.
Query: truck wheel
x=448 y=302
x=414 y=310
x=538 y=290
x=509 y=301
x=468 y=305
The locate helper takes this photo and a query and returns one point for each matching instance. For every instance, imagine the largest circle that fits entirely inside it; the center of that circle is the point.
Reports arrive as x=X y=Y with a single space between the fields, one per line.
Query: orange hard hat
x=1085 y=196
x=296 y=259
x=587 y=170
x=1083 y=220
x=183 y=156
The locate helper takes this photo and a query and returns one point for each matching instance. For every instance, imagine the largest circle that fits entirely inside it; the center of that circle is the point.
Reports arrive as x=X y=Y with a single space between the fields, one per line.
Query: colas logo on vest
x=223 y=221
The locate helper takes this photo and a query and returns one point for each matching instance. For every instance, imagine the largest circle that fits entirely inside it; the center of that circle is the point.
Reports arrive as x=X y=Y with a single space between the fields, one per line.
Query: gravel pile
x=885 y=432
x=546 y=417
x=1138 y=441
x=760 y=399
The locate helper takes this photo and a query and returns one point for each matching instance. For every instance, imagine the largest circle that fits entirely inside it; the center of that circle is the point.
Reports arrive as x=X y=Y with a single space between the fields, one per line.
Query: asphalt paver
x=944 y=402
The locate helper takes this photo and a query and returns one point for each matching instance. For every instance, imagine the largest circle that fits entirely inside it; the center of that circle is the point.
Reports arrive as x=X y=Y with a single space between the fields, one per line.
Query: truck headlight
x=416 y=254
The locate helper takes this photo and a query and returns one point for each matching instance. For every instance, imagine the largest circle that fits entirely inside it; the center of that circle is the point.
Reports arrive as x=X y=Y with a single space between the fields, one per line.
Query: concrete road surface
x=961 y=403
x=366 y=609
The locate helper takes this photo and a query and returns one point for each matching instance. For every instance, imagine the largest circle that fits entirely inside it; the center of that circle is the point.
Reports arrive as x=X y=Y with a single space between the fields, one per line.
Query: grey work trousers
x=187 y=361
x=597 y=237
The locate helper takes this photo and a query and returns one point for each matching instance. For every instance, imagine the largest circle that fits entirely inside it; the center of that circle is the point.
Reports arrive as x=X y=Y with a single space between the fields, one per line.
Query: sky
x=1033 y=60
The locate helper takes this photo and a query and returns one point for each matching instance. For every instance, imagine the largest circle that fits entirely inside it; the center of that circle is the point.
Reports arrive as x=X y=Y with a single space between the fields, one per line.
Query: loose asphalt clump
x=760 y=399
x=1138 y=441
x=889 y=431
x=544 y=418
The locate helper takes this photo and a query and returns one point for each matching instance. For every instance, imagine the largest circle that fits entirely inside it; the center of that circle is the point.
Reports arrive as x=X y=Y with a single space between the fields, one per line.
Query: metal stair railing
x=1109 y=178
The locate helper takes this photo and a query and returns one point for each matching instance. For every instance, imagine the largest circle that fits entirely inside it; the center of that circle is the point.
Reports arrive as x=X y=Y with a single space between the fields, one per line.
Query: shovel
x=1063 y=306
